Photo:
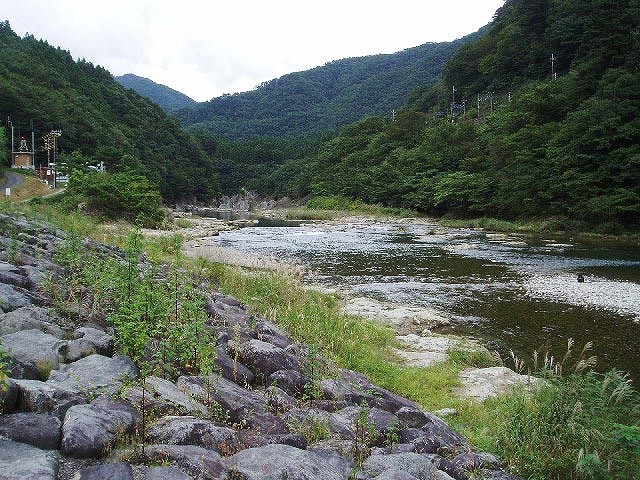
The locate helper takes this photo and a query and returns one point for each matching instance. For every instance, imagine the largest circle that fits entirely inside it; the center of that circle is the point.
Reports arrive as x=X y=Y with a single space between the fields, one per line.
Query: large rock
x=420 y=466
x=375 y=422
x=29 y=318
x=483 y=383
x=95 y=373
x=291 y=381
x=8 y=396
x=19 y=461
x=107 y=471
x=13 y=298
x=232 y=369
x=88 y=341
x=192 y=431
x=264 y=358
x=238 y=401
x=44 y=397
x=199 y=462
x=174 y=400
x=90 y=430
x=33 y=353
x=38 y=429
x=162 y=473
x=276 y=462
x=471 y=461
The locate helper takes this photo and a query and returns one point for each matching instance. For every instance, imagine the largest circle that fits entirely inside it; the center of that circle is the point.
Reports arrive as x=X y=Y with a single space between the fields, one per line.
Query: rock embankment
x=72 y=408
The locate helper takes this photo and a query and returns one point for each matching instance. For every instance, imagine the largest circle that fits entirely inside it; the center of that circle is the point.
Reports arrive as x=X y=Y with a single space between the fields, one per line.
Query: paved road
x=12 y=180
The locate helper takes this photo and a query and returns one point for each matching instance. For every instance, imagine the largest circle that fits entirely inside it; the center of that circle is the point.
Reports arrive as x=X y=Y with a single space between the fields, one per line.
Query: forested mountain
x=168 y=98
x=100 y=119
x=566 y=148
x=323 y=98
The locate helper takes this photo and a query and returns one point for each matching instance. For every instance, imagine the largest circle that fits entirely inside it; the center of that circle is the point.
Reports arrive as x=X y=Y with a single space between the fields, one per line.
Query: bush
x=120 y=195
x=582 y=426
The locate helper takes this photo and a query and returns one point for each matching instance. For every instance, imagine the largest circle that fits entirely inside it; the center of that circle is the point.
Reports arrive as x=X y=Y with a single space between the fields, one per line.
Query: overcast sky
x=207 y=48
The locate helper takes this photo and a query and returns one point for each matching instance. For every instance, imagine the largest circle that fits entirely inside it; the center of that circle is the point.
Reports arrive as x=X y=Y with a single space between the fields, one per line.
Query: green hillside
x=324 y=98
x=567 y=148
x=99 y=118
x=168 y=98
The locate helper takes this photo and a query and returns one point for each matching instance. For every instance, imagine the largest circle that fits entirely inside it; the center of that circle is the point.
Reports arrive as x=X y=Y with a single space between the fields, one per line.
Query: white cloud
x=206 y=48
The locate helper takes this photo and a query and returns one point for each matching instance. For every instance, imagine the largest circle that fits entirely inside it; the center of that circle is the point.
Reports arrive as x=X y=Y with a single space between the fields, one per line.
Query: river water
x=512 y=292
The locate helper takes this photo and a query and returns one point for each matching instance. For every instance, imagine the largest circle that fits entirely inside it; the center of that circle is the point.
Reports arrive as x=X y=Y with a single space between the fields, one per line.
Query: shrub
x=119 y=195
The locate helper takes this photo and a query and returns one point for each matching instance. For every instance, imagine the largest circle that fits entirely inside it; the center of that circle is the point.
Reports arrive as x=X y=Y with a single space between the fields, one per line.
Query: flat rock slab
x=44 y=397
x=420 y=466
x=34 y=353
x=483 y=383
x=168 y=392
x=19 y=461
x=38 y=429
x=13 y=298
x=405 y=319
x=424 y=351
x=89 y=430
x=95 y=373
x=275 y=462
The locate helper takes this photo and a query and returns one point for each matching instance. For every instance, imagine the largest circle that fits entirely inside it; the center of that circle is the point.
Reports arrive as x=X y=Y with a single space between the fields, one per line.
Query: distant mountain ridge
x=168 y=98
x=324 y=98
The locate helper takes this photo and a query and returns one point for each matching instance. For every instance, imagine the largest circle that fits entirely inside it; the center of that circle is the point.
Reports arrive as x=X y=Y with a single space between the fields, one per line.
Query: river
x=510 y=291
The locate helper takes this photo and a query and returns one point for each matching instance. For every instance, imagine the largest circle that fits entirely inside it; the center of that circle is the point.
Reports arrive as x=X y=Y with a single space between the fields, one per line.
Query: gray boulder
x=38 y=429
x=95 y=373
x=275 y=462
x=471 y=461
x=278 y=400
x=88 y=341
x=197 y=461
x=44 y=397
x=33 y=353
x=264 y=358
x=192 y=431
x=13 y=298
x=171 y=399
x=449 y=439
x=420 y=466
x=29 y=318
x=232 y=369
x=291 y=381
x=107 y=471
x=497 y=475
x=412 y=417
x=8 y=396
x=19 y=461
x=89 y=430
x=375 y=422
x=162 y=473
x=395 y=475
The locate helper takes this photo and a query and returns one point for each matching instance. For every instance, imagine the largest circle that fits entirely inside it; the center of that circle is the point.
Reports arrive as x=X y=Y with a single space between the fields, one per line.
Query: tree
x=4 y=152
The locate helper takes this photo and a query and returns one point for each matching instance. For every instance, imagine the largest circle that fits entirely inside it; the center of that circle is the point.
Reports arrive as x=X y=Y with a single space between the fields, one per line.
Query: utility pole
x=453 y=100
x=554 y=75
x=393 y=115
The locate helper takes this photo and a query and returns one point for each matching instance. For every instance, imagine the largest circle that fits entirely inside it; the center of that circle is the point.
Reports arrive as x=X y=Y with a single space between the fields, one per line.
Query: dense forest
x=100 y=119
x=324 y=98
x=168 y=98
x=564 y=146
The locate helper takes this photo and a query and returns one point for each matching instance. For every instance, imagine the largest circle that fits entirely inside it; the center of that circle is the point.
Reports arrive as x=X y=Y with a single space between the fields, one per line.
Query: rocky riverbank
x=74 y=408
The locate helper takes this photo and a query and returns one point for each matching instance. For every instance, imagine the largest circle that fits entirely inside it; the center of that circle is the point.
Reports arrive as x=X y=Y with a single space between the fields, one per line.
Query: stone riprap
x=74 y=408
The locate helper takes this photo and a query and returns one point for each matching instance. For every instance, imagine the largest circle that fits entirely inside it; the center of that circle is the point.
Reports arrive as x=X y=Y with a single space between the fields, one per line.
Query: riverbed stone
x=291 y=381
x=264 y=358
x=343 y=422
x=19 y=461
x=33 y=353
x=412 y=417
x=199 y=462
x=232 y=369
x=188 y=430
x=107 y=471
x=170 y=394
x=482 y=383
x=44 y=397
x=471 y=461
x=95 y=373
x=88 y=341
x=29 y=318
x=13 y=298
x=419 y=466
x=38 y=429
x=89 y=430
x=162 y=473
x=8 y=396
x=275 y=462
